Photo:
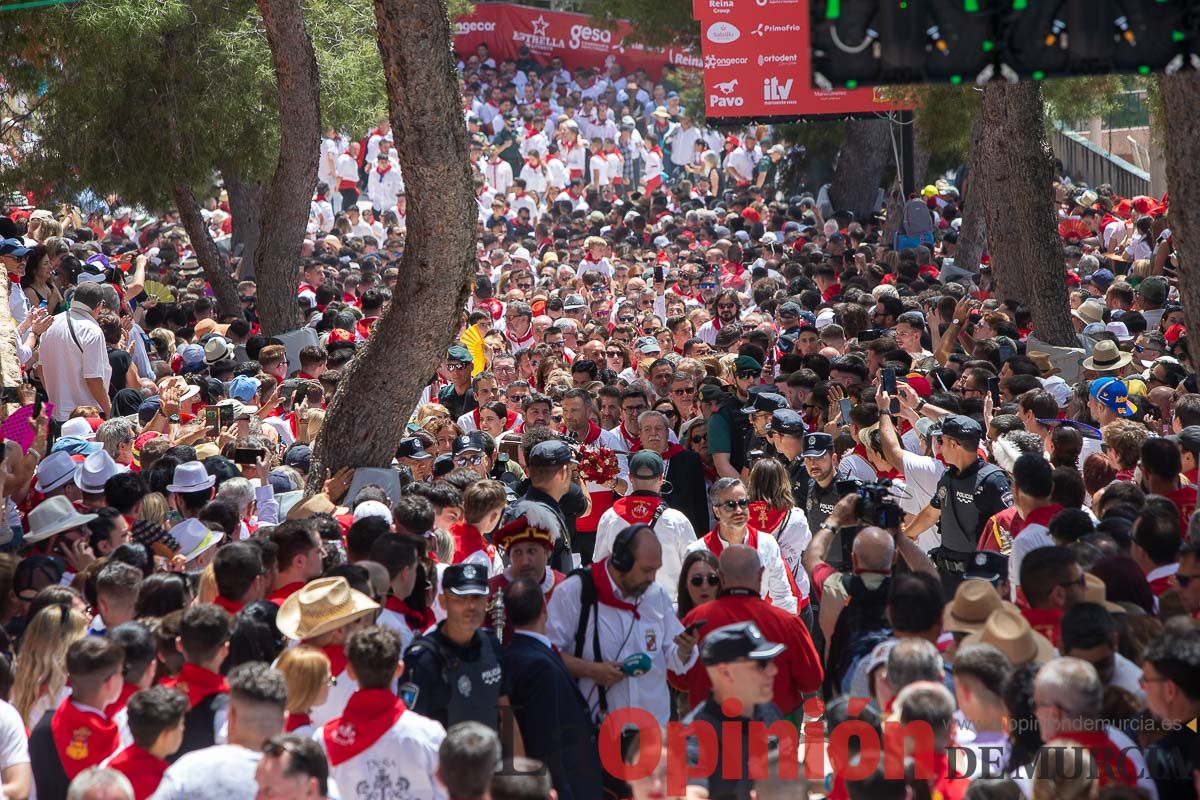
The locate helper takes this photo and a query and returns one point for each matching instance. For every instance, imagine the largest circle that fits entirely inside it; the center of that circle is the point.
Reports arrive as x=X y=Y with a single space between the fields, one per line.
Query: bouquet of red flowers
x=598 y=465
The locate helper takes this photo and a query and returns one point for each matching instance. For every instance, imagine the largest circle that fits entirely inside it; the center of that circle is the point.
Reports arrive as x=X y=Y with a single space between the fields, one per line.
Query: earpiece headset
x=622 y=548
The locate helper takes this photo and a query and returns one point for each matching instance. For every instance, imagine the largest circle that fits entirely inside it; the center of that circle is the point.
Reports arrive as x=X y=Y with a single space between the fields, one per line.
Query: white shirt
x=499 y=175
x=65 y=365
x=339 y=694
x=556 y=173
x=391 y=619
x=223 y=770
x=405 y=756
x=384 y=189
x=535 y=179
x=327 y=166
x=683 y=145
x=1030 y=538
x=320 y=213
x=622 y=635
x=598 y=170
x=793 y=538
x=921 y=476
x=14 y=745
x=674 y=533
x=347 y=170
x=776 y=586
x=741 y=162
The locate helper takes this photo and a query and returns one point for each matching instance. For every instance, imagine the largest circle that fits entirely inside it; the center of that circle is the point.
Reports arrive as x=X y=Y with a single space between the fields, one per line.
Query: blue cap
x=1113 y=394
x=193 y=358
x=243 y=388
x=76 y=446
x=15 y=248
x=149 y=408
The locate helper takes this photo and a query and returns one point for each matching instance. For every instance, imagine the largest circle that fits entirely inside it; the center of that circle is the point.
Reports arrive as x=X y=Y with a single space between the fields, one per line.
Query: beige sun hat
x=323 y=605
x=1011 y=634
x=973 y=603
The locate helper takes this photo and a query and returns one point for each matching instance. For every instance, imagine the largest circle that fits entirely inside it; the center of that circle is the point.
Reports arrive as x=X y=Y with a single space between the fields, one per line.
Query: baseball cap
x=243 y=388
x=988 y=565
x=1188 y=438
x=736 y=642
x=468 y=442
x=788 y=422
x=15 y=248
x=411 y=447
x=961 y=428
x=645 y=464
x=817 y=445
x=790 y=310
x=465 y=580
x=298 y=456
x=765 y=401
x=552 y=453
x=648 y=345
x=1113 y=394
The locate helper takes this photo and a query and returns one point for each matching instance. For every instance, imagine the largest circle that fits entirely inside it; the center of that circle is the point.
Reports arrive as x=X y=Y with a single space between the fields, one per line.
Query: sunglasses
x=700 y=580
x=1184 y=580
x=734 y=505
x=681 y=392
x=626 y=319
x=741 y=376
x=468 y=461
x=697 y=439
x=727 y=306
x=613 y=353
x=457 y=366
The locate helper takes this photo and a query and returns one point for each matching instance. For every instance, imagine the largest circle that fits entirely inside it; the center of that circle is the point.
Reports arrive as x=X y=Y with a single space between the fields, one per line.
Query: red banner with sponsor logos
x=756 y=64
x=574 y=38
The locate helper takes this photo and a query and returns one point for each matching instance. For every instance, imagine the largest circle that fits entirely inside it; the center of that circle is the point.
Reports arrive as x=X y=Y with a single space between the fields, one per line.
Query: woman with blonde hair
x=1064 y=770
x=773 y=510
x=307 y=672
x=40 y=680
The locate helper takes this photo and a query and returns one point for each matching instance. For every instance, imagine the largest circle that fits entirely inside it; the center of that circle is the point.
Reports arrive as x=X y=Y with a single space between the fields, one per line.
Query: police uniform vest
x=818 y=505
x=962 y=518
x=798 y=475
x=469 y=688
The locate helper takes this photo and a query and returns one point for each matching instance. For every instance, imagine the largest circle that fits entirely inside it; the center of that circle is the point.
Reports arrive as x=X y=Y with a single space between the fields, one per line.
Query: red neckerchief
x=386 y=169
x=1041 y=515
x=293 y=721
x=673 y=449
x=143 y=769
x=232 y=606
x=945 y=785
x=320 y=198
x=369 y=714
x=634 y=442
x=637 y=509
x=1112 y=765
x=468 y=540
x=305 y=286
x=710 y=472
x=604 y=589
x=284 y=592
x=593 y=433
x=82 y=738
x=336 y=653
x=715 y=544
x=767 y=518
x=417 y=620
x=127 y=691
x=197 y=683
x=833 y=291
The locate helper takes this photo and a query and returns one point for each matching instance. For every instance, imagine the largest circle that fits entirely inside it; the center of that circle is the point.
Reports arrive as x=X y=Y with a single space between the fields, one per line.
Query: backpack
x=860 y=627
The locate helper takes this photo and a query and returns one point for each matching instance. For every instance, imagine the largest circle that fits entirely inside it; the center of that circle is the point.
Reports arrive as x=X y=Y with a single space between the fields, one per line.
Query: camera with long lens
x=875 y=507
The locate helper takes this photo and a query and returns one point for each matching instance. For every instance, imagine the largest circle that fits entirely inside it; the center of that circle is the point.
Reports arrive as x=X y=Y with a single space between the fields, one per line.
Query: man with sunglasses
x=731 y=507
x=727 y=309
x=1187 y=578
x=457 y=396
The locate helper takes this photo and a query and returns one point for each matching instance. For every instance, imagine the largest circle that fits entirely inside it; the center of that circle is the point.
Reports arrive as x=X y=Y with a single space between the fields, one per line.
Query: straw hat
x=973 y=604
x=1043 y=362
x=1106 y=357
x=1097 y=592
x=1011 y=634
x=323 y=605
x=55 y=515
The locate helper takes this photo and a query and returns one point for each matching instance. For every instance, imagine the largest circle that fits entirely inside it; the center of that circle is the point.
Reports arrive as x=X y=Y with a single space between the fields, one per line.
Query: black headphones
x=622 y=548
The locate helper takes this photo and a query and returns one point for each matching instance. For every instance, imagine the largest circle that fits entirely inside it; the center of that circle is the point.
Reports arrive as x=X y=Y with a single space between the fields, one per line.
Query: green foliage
x=657 y=22
x=135 y=94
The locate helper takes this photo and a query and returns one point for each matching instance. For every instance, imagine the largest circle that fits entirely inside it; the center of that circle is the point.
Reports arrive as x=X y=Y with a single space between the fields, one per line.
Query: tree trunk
x=383 y=383
x=1027 y=255
x=1181 y=132
x=288 y=197
x=866 y=148
x=219 y=278
x=245 y=209
x=972 y=236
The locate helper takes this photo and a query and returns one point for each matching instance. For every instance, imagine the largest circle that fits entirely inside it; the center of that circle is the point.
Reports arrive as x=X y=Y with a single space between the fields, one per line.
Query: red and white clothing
x=377 y=736
x=83 y=736
x=406 y=622
x=471 y=548
x=143 y=769
x=470 y=421
x=557 y=175
x=776 y=585
x=1031 y=533
x=384 y=185
x=672 y=528
x=789 y=526
x=652 y=168
x=574 y=155
x=499 y=175
x=602 y=496
x=1159 y=579
x=342 y=689
x=598 y=170
x=347 y=172
x=308 y=293
x=627 y=626
x=586 y=265
x=519 y=200
x=320 y=214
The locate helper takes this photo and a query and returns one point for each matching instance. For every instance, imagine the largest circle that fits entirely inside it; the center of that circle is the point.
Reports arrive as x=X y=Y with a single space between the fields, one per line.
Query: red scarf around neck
x=127 y=691
x=673 y=449
x=715 y=544
x=637 y=509
x=593 y=433
x=144 y=770
x=336 y=653
x=1112 y=765
x=284 y=592
x=82 y=738
x=417 y=620
x=197 y=683
x=468 y=540
x=386 y=169
x=293 y=721
x=604 y=589
x=635 y=443
x=369 y=714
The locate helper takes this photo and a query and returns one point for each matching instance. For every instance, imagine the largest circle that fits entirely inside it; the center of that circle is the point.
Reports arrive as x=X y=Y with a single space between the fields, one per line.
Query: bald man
x=739 y=600
x=872 y=557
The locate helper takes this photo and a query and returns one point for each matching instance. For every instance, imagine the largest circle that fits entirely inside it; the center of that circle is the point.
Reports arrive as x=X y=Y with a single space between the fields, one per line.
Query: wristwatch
x=921 y=404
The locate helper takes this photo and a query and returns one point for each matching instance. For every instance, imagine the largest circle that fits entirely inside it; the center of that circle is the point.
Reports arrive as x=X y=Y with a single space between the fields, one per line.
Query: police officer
x=740 y=663
x=821 y=461
x=787 y=431
x=969 y=492
x=763 y=403
x=453 y=673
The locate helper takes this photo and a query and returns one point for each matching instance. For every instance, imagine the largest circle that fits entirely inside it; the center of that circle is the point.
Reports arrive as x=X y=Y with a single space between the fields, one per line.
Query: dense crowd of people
x=703 y=454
